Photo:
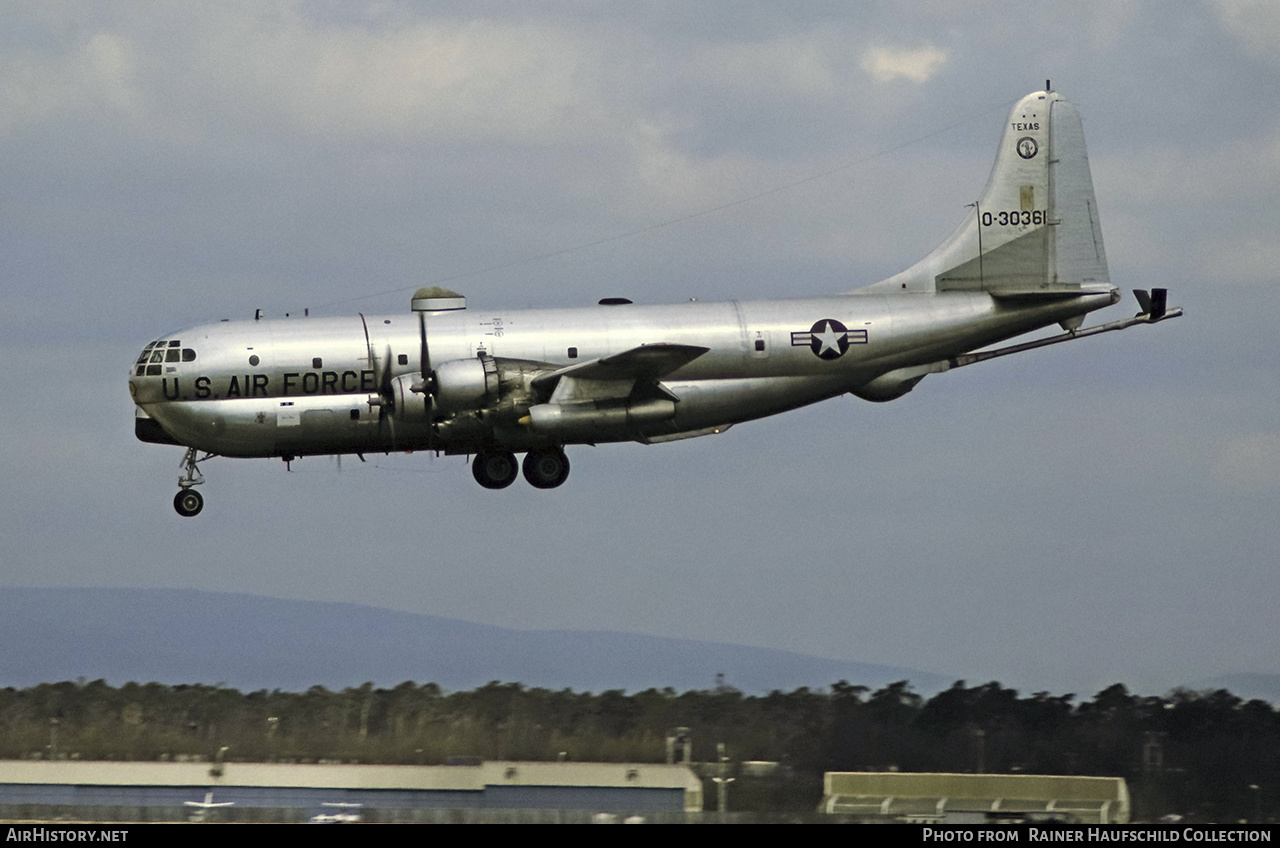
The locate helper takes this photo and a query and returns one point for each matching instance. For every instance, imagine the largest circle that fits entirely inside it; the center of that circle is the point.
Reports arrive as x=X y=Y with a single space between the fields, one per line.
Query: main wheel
x=495 y=469
x=546 y=469
x=188 y=502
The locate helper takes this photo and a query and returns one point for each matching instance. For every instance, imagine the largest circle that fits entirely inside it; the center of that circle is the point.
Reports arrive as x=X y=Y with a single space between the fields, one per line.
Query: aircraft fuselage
x=311 y=385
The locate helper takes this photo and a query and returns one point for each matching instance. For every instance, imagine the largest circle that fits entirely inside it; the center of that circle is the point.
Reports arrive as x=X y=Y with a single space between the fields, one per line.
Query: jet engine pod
x=462 y=384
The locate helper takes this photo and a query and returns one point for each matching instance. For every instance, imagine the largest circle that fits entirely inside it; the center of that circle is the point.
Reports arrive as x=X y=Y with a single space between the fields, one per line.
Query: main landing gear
x=495 y=469
x=543 y=468
x=188 y=501
x=546 y=469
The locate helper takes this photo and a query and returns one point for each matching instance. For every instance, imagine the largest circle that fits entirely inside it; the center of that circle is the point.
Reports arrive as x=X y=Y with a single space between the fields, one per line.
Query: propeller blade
x=427 y=384
x=424 y=361
x=385 y=390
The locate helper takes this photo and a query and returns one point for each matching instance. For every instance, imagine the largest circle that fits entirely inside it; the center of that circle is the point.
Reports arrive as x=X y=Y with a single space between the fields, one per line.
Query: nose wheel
x=188 y=501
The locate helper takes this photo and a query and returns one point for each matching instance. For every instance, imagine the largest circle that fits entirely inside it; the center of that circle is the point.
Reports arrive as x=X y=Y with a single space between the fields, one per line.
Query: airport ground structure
x=1207 y=756
x=506 y=791
x=518 y=792
x=925 y=798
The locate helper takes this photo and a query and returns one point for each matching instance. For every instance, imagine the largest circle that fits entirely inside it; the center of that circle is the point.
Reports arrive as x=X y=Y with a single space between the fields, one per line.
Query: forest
x=1204 y=754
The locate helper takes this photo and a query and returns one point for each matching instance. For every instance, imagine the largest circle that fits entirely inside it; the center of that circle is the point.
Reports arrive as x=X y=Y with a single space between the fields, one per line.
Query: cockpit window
x=161 y=351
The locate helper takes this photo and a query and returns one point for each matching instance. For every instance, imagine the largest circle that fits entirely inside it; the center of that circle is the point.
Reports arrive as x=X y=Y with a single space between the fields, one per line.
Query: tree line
x=1207 y=753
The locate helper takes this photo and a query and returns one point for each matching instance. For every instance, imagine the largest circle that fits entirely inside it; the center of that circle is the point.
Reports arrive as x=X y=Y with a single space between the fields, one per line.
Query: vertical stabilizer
x=1035 y=228
x=1079 y=257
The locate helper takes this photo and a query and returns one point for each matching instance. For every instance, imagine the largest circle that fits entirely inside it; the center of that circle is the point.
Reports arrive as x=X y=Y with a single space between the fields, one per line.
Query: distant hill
x=251 y=642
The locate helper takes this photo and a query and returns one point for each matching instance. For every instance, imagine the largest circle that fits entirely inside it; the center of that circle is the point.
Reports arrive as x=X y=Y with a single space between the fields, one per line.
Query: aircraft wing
x=614 y=376
x=647 y=362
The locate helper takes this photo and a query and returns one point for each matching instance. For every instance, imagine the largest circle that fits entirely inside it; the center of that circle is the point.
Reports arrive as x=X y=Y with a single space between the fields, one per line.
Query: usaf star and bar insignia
x=828 y=338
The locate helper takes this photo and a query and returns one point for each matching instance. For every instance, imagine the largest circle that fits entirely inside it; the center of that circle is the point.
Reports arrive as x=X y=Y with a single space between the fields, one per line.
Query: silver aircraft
x=492 y=384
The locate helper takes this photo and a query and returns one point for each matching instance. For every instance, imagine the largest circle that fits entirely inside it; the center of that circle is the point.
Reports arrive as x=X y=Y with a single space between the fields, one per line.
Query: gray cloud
x=1059 y=520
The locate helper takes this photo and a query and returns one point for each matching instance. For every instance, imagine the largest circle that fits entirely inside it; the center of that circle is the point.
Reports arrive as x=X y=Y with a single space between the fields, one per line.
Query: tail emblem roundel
x=1027 y=147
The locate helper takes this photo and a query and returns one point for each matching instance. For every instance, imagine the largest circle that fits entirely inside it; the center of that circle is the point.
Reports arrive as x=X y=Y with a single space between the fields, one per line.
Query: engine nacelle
x=554 y=419
x=410 y=399
x=462 y=384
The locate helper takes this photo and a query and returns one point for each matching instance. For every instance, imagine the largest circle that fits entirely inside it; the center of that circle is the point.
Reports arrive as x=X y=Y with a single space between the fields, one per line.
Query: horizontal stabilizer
x=1154 y=309
x=1050 y=291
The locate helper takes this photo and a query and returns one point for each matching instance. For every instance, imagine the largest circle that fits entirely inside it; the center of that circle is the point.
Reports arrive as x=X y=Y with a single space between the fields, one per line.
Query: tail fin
x=1035 y=230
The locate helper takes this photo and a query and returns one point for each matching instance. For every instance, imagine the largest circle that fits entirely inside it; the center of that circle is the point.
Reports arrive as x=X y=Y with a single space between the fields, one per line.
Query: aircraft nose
x=139 y=368
x=136 y=370
x=150 y=363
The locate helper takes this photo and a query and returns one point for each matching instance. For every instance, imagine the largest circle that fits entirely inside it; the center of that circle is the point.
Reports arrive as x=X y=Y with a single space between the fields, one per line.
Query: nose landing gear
x=188 y=502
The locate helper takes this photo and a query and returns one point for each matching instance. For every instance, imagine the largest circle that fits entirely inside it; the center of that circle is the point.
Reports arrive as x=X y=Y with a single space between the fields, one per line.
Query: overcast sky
x=1096 y=512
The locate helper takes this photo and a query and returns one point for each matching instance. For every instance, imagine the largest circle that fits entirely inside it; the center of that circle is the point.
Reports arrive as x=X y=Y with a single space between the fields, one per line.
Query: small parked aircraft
x=205 y=807
x=496 y=383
